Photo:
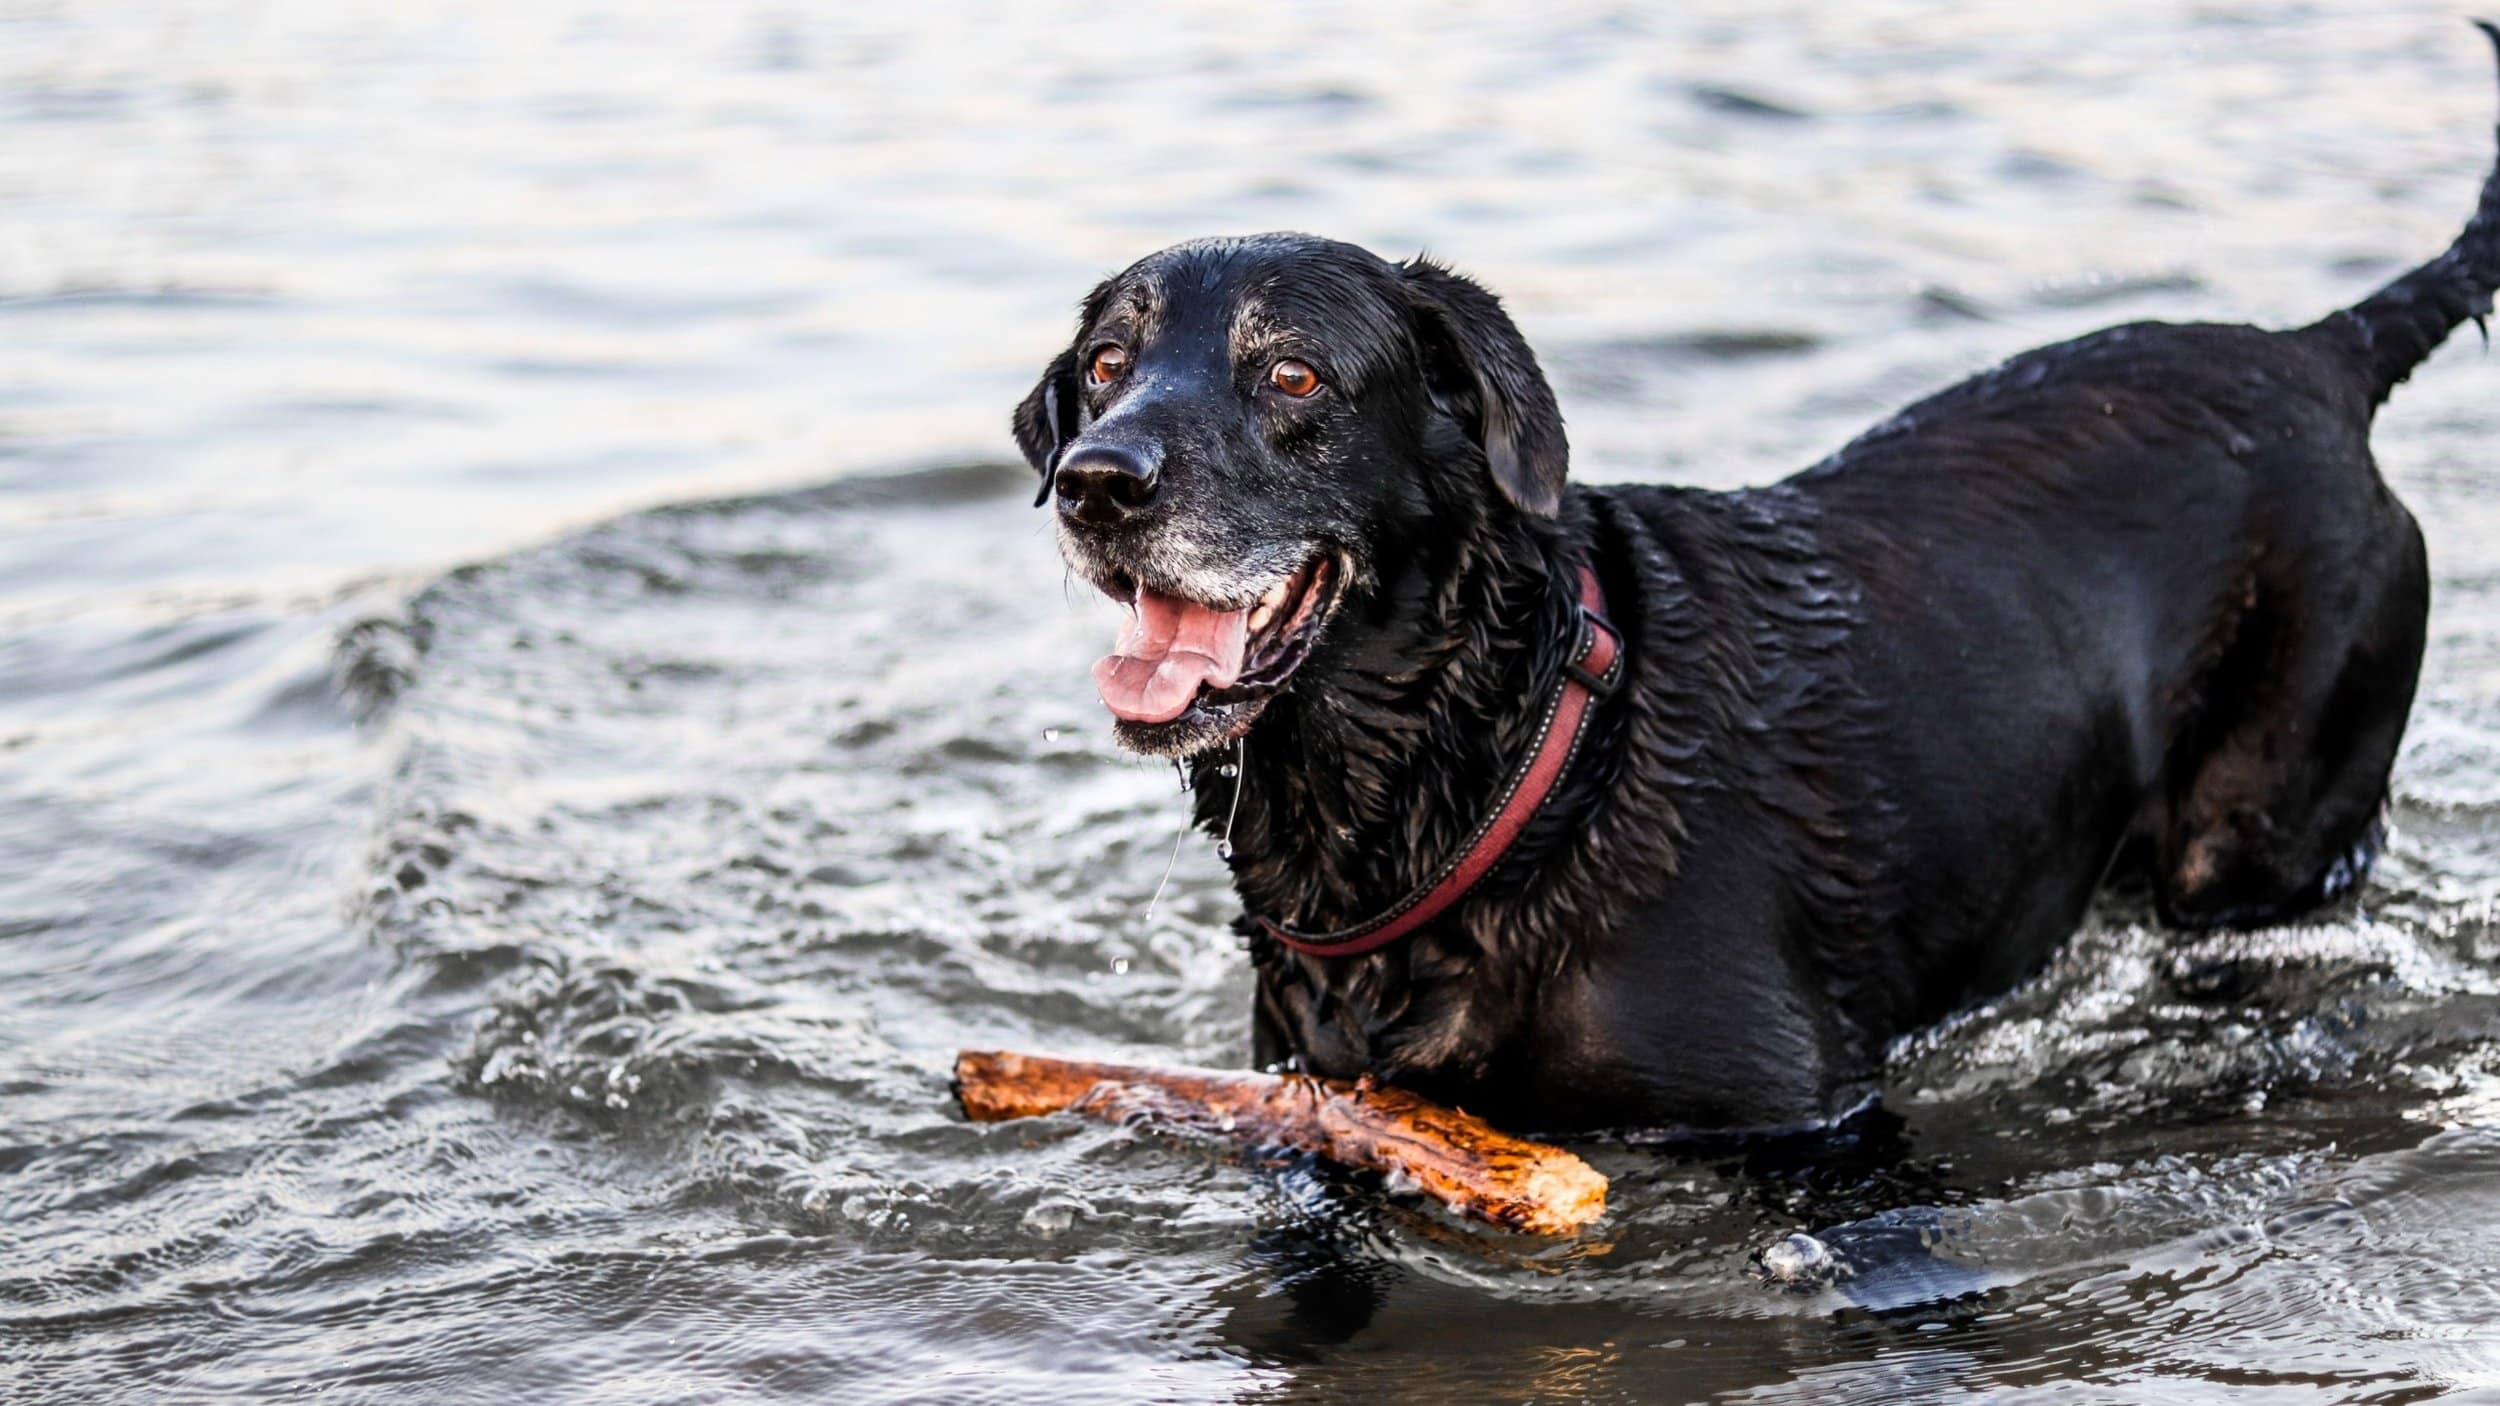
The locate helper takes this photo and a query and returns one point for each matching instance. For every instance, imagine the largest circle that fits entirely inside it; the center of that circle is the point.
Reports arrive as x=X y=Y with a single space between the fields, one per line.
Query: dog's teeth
x=1275 y=596
x=1260 y=617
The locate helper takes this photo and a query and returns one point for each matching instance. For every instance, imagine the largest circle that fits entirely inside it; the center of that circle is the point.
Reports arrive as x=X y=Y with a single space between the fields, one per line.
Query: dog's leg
x=2280 y=809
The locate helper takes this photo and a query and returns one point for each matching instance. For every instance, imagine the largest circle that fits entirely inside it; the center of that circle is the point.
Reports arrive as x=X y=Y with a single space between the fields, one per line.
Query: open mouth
x=1175 y=654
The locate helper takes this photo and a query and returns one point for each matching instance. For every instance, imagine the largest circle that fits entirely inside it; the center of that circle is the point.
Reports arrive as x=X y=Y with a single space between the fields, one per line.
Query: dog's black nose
x=1103 y=483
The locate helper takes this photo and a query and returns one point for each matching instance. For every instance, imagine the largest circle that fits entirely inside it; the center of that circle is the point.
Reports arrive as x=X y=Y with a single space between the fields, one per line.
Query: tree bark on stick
x=1454 y=1157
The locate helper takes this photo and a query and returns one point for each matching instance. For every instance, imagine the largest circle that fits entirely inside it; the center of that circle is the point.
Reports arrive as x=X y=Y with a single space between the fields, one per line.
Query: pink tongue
x=1167 y=649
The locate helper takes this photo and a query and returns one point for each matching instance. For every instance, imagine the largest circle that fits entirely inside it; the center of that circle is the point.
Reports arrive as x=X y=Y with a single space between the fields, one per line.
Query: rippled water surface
x=535 y=979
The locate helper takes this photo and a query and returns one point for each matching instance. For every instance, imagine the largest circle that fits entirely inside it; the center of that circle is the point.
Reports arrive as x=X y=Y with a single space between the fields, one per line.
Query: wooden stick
x=1454 y=1157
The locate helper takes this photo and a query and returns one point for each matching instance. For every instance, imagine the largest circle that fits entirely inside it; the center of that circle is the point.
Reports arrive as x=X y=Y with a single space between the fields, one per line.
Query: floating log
x=1453 y=1157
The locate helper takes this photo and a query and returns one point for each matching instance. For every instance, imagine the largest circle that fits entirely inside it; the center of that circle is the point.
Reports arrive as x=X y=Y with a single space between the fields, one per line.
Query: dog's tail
x=2396 y=328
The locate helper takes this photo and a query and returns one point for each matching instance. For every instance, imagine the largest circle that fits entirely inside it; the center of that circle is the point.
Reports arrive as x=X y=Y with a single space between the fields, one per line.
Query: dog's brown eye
x=1294 y=378
x=1109 y=362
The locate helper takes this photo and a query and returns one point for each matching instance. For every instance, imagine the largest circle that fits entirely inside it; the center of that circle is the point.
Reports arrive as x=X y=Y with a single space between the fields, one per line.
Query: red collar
x=1593 y=672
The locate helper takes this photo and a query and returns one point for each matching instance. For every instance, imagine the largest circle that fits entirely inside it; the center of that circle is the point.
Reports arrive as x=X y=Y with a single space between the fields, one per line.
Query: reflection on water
x=575 y=1023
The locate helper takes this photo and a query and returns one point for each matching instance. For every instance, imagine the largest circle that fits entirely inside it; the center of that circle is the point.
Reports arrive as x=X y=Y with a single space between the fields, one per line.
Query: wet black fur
x=2135 y=607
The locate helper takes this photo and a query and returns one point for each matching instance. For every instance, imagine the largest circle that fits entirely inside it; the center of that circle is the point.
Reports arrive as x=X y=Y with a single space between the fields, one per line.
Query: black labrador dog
x=2135 y=608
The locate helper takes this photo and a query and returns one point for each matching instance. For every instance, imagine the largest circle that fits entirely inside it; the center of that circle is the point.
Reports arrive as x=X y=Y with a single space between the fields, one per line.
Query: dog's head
x=1246 y=433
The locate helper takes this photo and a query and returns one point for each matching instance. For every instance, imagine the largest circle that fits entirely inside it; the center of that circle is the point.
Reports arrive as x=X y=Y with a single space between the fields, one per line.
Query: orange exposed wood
x=1454 y=1157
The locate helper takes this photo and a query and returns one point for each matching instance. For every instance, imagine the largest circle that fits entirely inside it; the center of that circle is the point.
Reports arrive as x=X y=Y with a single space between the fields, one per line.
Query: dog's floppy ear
x=1046 y=420
x=1481 y=370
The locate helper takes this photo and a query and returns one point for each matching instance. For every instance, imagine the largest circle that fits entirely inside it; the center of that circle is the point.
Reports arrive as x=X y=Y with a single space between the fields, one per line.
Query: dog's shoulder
x=1742 y=623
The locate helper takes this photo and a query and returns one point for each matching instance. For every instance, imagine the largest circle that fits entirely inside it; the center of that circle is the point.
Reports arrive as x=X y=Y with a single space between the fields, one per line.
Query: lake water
x=535 y=978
